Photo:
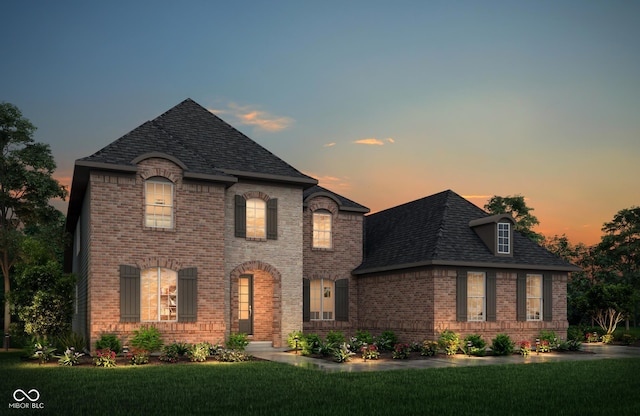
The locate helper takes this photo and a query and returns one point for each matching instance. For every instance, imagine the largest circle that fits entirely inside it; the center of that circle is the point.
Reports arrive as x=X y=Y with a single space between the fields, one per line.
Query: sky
x=383 y=102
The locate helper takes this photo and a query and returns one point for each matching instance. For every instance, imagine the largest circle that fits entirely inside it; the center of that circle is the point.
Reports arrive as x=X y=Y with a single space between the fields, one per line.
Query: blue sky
x=384 y=102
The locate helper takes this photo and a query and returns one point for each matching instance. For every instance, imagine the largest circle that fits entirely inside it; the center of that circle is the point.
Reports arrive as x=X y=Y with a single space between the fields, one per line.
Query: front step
x=259 y=346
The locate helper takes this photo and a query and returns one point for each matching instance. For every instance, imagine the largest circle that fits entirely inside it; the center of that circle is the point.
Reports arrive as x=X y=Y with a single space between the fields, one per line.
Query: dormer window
x=504 y=238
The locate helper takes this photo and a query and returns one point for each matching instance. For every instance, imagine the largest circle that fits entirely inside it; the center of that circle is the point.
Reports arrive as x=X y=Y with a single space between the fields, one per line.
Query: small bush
x=199 y=352
x=474 y=345
x=335 y=338
x=401 y=351
x=105 y=358
x=429 y=348
x=342 y=353
x=311 y=344
x=502 y=345
x=147 y=338
x=70 y=357
x=360 y=339
x=237 y=342
x=138 y=357
x=172 y=353
x=110 y=342
x=386 y=341
x=292 y=337
x=369 y=352
x=230 y=356
x=69 y=340
x=449 y=342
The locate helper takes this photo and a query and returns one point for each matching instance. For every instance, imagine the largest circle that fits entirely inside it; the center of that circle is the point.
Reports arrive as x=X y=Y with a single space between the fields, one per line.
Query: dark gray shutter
x=188 y=295
x=547 y=297
x=342 y=300
x=306 y=300
x=272 y=219
x=491 y=296
x=521 y=297
x=241 y=216
x=129 y=294
x=461 y=296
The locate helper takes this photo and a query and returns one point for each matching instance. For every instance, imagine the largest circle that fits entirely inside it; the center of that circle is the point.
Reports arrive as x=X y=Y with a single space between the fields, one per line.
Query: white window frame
x=322 y=237
x=504 y=238
x=167 y=300
x=162 y=220
x=476 y=299
x=534 y=301
x=323 y=299
x=254 y=208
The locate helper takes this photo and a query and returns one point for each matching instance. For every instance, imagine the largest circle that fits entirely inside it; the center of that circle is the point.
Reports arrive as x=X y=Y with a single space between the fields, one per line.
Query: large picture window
x=158 y=291
x=322 y=230
x=534 y=297
x=159 y=203
x=322 y=300
x=476 y=296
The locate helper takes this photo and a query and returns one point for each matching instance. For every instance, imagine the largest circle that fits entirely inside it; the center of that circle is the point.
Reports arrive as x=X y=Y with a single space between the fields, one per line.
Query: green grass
x=605 y=386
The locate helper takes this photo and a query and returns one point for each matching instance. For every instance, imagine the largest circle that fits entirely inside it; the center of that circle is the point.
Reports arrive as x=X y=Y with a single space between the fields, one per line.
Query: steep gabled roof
x=344 y=204
x=435 y=231
x=202 y=142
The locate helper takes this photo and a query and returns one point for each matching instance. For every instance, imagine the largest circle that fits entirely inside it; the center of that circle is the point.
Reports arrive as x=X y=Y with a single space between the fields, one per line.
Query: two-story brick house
x=189 y=225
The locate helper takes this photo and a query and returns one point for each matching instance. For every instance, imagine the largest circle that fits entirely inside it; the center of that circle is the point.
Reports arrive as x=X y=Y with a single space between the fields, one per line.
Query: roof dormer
x=496 y=231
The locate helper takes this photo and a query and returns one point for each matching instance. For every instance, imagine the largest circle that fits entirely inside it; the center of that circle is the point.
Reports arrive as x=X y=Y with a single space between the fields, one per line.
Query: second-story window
x=159 y=203
x=322 y=233
x=256 y=218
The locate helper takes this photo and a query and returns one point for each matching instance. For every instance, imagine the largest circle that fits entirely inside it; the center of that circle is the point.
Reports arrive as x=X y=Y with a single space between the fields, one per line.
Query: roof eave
x=453 y=263
x=307 y=182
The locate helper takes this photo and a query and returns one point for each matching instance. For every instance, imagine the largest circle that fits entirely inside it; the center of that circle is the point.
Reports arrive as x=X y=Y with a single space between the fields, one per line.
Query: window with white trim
x=504 y=238
x=256 y=218
x=322 y=234
x=158 y=294
x=476 y=296
x=534 y=297
x=322 y=300
x=159 y=203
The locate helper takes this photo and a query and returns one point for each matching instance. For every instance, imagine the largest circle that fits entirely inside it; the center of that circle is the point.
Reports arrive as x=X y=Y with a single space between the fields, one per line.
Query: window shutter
x=342 y=300
x=491 y=296
x=521 y=297
x=547 y=297
x=188 y=295
x=306 y=300
x=272 y=219
x=129 y=294
x=461 y=296
x=241 y=216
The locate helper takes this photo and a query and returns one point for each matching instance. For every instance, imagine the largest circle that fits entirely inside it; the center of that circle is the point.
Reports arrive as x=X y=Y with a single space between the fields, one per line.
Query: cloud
x=370 y=141
x=333 y=183
x=477 y=196
x=252 y=116
x=329 y=144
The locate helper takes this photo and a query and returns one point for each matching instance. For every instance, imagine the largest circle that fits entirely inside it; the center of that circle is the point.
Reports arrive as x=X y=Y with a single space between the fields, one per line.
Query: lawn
x=591 y=387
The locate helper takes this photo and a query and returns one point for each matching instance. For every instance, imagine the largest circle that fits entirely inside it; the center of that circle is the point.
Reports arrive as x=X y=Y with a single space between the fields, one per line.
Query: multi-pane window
x=158 y=295
x=476 y=296
x=504 y=238
x=256 y=218
x=322 y=230
x=322 y=299
x=534 y=297
x=159 y=203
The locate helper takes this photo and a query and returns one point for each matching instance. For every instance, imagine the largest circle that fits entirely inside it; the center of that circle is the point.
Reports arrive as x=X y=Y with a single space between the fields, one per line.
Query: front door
x=245 y=304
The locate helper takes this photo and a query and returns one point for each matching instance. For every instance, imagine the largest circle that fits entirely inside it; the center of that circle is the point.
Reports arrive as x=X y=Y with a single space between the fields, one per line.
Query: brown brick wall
x=118 y=236
x=335 y=263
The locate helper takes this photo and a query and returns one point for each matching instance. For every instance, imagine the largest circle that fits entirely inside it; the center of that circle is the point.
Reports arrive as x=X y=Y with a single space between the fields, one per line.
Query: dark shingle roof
x=435 y=231
x=203 y=142
x=344 y=204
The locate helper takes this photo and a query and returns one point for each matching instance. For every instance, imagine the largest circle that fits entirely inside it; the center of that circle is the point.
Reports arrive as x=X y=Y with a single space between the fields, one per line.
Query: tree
x=609 y=304
x=518 y=209
x=26 y=186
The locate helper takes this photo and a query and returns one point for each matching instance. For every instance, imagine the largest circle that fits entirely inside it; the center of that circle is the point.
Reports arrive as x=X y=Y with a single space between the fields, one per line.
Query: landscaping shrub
x=474 y=345
x=342 y=353
x=199 y=352
x=70 y=357
x=311 y=344
x=335 y=337
x=147 y=338
x=401 y=351
x=369 y=352
x=502 y=345
x=237 y=341
x=109 y=341
x=230 y=356
x=449 y=342
x=291 y=339
x=105 y=358
x=138 y=356
x=386 y=341
x=429 y=348
x=172 y=353
x=70 y=340
x=361 y=339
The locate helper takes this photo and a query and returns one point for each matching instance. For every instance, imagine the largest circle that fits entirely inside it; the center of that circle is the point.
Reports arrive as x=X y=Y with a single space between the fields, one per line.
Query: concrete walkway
x=589 y=352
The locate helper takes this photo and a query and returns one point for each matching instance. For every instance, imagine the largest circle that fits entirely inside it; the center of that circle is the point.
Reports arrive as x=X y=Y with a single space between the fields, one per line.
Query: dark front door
x=245 y=304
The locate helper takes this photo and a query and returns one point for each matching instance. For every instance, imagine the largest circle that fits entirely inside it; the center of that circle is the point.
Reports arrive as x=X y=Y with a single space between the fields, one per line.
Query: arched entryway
x=255 y=301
